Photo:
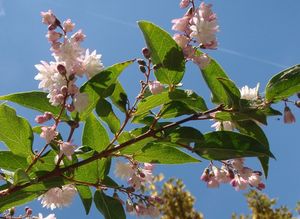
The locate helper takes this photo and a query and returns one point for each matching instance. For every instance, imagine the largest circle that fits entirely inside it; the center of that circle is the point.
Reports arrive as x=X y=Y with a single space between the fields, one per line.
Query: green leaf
x=185 y=135
x=20 y=176
x=175 y=109
x=119 y=97
x=165 y=53
x=223 y=145
x=36 y=100
x=93 y=172
x=233 y=93
x=283 y=84
x=110 y=207
x=189 y=98
x=94 y=134
x=252 y=129
x=152 y=102
x=15 y=132
x=137 y=146
x=257 y=115
x=103 y=85
x=211 y=73
x=85 y=196
x=11 y=162
x=106 y=113
x=163 y=153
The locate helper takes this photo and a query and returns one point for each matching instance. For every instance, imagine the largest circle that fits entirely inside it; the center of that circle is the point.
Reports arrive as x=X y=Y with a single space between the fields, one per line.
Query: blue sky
x=257 y=39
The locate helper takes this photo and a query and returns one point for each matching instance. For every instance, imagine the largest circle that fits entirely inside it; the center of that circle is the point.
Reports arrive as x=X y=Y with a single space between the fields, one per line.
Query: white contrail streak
x=242 y=55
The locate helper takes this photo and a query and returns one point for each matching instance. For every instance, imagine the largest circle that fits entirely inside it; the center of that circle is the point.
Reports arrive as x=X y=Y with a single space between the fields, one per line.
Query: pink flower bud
x=146 y=52
x=155 y=87
x=28 y=211
x=64 y=90
x=48 y=17
x=261 y=186
x=40 y=119
x=70 y=107
x=288 y=116
x=68 y=25
x=48 y=115
x=184 y=3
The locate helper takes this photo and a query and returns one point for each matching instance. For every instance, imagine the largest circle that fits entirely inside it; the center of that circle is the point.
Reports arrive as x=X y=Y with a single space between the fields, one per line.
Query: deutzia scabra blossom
x=71 y=61
x=58 y=197
x=48 y=133
x=233 y=172
x=223 y=126
x=67 y=149
x=135 y=174
x=204 y=26
x=197 y=25
x=250 y=93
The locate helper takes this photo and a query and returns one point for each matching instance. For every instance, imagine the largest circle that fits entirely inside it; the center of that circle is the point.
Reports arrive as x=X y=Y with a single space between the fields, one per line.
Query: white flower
x=71 y=53
x=67 y=149
x=92 y=63
x=46 y=71
x=204 y=26
x=223 y=126
x=48 y=133
x=124 y=170
x=80 y=101
x=50 y=216
x=249 y=93
x=58 y=197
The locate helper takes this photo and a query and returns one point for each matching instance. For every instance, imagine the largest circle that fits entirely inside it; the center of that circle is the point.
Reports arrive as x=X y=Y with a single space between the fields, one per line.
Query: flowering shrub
x=62 y=167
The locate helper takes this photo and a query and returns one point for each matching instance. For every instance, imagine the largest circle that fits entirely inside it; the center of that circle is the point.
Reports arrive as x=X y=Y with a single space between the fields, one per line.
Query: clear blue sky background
x=257 y=39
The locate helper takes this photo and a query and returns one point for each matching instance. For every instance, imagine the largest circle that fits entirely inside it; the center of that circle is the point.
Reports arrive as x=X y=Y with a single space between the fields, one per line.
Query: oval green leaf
x=165 y=53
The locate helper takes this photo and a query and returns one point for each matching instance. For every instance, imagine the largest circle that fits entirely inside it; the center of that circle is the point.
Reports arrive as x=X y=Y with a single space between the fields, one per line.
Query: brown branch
x=106 y=153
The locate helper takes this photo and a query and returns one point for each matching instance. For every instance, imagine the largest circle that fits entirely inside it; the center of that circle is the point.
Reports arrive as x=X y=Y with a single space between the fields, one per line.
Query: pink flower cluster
x=58 y=197
x=142 y=209
x=71 y=61
x=233 y=172
x=197 y=25
x=135 y=175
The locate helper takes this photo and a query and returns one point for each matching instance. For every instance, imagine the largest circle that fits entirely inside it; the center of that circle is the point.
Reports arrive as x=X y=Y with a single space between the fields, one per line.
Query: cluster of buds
x=155 y=87
x=136 y=175
x=233 y=172
x=197 y=25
